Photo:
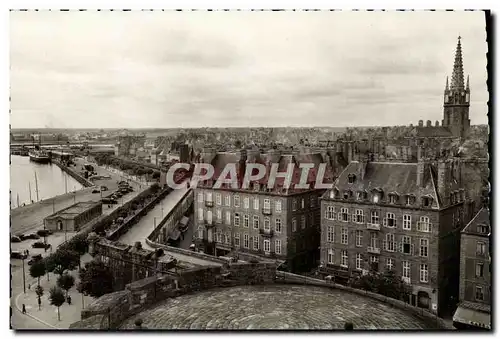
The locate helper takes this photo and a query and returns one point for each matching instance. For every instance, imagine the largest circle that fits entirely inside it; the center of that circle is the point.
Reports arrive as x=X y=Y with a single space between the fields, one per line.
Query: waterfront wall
x=109 y=311
x=74 y=174
x=429 y=318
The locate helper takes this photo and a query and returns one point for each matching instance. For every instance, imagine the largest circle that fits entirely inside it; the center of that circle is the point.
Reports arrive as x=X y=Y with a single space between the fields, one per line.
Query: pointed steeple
x=457 y=78
x=447 y=86
x=467 y=86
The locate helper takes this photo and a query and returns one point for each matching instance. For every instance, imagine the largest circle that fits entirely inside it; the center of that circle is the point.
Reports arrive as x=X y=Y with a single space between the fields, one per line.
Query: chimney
x=443 y=180
x=437 y=123
x=364 y=158
x=429 y=123
x=421 y=167
x=420 y=123
x=350 y=152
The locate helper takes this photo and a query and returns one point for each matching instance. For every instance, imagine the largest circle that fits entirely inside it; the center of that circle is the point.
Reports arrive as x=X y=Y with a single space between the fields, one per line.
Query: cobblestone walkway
x=274 y=307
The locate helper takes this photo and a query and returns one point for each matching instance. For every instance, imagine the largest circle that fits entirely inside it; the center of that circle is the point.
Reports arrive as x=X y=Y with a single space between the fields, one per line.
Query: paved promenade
x=274 y=307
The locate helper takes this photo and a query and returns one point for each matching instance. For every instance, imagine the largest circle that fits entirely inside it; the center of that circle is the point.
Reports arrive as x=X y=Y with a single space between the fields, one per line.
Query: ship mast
x=29 y=187
x=36 y=188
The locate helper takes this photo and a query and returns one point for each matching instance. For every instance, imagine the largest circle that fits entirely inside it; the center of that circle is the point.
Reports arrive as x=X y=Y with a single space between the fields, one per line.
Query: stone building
x=273 y=222
x=403 y=217
x=73 y=217
x=474 y=309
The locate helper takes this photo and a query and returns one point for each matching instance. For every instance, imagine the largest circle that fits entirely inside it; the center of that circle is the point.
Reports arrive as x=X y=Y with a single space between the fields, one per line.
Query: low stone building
x=73 y=217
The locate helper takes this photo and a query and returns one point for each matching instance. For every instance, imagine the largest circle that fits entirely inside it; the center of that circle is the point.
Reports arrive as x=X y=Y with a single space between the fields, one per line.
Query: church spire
x=457 y=78
x=467 y=86
x=447 y=86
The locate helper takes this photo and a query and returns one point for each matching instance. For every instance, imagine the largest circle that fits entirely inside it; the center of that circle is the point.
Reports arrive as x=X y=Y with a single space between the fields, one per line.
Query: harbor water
x=51 y=181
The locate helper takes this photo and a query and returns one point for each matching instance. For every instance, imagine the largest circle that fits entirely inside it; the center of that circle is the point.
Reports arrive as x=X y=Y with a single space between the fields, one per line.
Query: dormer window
x=347 y=194
x=351 y=178
x=377 y=195
x=393 y=198
x=483 y=229
x=410 y=200
x=361 y=195
x=426 y=201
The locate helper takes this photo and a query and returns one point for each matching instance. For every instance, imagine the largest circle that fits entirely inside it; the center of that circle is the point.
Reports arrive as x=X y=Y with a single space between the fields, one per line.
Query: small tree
x=96 y=279
x=39 y=294
x=56 y=297
x=65 y=260
x=37 y=270
x=66 y=281
x=49 y=265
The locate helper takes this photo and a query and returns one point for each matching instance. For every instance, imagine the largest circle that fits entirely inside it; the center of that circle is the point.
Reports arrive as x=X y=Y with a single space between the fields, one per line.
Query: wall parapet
x=73 y=174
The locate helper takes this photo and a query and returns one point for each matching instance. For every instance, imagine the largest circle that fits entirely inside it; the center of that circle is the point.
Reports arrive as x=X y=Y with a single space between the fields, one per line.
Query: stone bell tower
x=457 y=99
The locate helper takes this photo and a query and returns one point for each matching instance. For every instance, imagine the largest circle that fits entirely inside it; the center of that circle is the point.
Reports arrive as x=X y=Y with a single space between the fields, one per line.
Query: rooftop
x=482 y=218
x=74 y=210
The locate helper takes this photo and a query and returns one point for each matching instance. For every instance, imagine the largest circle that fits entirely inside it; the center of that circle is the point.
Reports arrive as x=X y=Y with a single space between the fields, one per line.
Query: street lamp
x=24 y=277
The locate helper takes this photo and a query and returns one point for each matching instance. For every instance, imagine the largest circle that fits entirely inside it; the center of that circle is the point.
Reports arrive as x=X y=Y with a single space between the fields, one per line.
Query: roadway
x=141 y=230
x=30 y=217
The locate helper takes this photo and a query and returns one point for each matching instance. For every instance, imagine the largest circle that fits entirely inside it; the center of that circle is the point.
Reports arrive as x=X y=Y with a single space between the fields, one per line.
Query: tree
x=37 y=270
x=56 y=297
x=66 y=281
x=50 y=265
x=39 y=294
x=65 y=259
x=96 y=279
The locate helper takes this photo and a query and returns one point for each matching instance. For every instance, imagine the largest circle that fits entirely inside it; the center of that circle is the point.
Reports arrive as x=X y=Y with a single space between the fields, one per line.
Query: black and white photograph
x=239 y=170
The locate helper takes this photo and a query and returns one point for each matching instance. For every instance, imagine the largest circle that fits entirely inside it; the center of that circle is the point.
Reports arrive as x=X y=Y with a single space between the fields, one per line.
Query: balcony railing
x=209 y=203
x=371 y=226
x=266 y=233
x=267 y=211
x=373 y=250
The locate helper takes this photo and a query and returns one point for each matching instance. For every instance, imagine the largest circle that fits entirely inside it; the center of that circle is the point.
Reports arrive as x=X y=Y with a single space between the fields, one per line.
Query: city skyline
x=272 y=69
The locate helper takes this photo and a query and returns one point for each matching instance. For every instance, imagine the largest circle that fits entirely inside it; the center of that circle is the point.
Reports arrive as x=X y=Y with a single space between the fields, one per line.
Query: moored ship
x=39 y=156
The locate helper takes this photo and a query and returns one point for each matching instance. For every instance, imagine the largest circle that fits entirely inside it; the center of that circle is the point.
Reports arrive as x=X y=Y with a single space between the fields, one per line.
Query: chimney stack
x=420 y=123
x=421 y=166
x=437 y=123
x=429 y=123
x=443 y=180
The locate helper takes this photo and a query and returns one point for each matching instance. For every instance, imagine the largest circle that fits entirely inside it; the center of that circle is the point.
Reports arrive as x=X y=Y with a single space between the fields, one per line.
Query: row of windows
x=389 y=244
x=389 y=264
x=246 y=242
x=390 y=220
x=313 y=201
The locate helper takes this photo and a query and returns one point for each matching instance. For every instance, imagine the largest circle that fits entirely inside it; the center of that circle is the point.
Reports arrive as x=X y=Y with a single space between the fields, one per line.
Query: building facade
x=73 y=217
x=400 y=217
x=278 y=223
x=474 y=309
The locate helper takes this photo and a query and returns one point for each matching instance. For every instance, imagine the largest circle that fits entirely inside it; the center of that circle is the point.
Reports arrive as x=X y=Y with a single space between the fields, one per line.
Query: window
x=331 y=256
x=313 y=200
x=351 y=178
x=373 y=240
x=255 y=222
x=256 y=243
x=409 y=200
x=209 y=217
x=344 y=259
x=200 y=232
x=267 y=224
x=277 y=246
x=294 y=224
x=390 y=221
x=373 y=258
x=277 y=225
x=375 y=217
x=228 y=218
x=426 y=201
x=218 y=199
x=424 y=244
x=359 y=217
x=246 y=202
x=236 y=219
x=209 y=197
x=227 y=200
x=393 y=198
x=359 y=261
x=424 y=225
x=376 y=198
x=246 y=241
x=236 y=201
x=302 y=221
x=200 y=214
x=406 y=246
x=344 y=214
x=359 y=238
x=246 y=221
x=200 y=197
x=294 y=205
x=228 y=238
x=218 y=236
x=267 y=246
x=389 y=244
x=278 y=205
x=480 y=248
x=406 y=222
x=237 y=239
x=361 y=195
x=406 y=269
x=479 y=270
x=330 y=234
x=330 y=213
x=256 y=203
x=218 y=214
x=344 y=236
x=302 y=204
x=389 y=265
x=483 y=229
x=267 y=204
x=479 y=293
x=347 y=194
x=424 y=273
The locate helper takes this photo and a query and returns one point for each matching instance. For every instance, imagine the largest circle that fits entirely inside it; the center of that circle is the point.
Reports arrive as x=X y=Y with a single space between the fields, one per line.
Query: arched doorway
x=423 y=299
x=59 y=225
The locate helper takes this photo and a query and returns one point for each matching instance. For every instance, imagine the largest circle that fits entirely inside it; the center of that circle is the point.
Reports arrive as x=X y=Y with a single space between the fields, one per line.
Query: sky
x=230 y=69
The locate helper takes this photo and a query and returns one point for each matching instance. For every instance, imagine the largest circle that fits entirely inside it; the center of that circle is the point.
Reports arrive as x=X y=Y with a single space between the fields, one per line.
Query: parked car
x=118 y=194
x=17 y=255
x=96 y=191
x=40 y=244
x=104 y=188
x=33 y=236
x=109 y=201
x=15 y=239
x=34 y=258
x=44 y=233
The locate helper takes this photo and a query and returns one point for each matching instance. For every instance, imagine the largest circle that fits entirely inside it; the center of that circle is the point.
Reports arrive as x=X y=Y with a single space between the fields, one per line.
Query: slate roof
x=481 y=218
x=400 y=178
x=431 y=132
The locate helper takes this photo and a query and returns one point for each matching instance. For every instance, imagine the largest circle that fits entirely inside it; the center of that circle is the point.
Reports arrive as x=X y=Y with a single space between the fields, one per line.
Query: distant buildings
x=128 y=145
x=474 y=309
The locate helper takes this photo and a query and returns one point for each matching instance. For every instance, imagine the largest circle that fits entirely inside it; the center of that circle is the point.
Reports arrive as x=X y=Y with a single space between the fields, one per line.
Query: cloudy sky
x=192 y=69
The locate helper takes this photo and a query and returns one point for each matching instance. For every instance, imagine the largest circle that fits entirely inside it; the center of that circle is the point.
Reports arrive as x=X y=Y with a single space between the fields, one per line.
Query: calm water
x=52 y=180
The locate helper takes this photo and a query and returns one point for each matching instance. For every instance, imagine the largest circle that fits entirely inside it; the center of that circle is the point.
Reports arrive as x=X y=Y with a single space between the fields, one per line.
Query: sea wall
x=73 y=174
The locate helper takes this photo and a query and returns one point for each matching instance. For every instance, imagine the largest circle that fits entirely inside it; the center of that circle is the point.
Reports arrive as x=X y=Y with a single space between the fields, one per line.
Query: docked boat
x=39 y=156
